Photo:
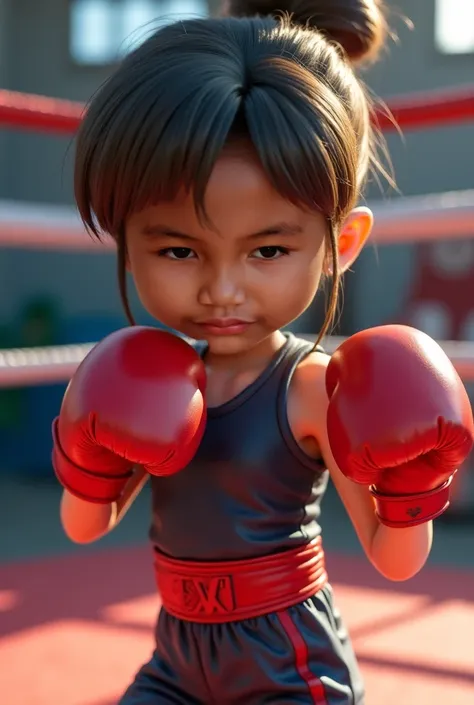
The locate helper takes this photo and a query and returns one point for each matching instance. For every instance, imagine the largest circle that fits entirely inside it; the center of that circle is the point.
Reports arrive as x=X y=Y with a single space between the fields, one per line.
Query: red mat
x=73 y=630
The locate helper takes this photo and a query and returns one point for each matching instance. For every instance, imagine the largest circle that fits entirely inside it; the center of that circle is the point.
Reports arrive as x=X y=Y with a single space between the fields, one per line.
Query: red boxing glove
x=399 y=420
x=137 y=398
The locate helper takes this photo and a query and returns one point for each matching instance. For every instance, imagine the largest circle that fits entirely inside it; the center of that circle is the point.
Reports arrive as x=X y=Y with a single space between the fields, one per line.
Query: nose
x=223 y=287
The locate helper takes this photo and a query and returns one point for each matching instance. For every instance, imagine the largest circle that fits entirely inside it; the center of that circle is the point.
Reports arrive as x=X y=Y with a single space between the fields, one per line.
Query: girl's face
x=233 y=282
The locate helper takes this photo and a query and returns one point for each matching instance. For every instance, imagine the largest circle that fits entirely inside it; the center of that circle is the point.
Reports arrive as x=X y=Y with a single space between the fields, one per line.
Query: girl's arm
x=398 y=554
x=399 y=423
x=85 y=522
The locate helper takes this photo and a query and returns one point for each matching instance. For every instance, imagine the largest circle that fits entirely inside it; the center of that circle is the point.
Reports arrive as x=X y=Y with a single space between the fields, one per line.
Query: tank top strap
x=300 y=349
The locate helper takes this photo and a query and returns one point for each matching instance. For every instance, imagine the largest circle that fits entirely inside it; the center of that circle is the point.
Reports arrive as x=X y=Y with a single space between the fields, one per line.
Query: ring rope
x=421 y=110
x=40 y=113
x=47 y=365
x=406 y=219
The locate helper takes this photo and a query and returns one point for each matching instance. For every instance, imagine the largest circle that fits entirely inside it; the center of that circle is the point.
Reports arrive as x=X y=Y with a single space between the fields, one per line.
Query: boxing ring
x=84 y=641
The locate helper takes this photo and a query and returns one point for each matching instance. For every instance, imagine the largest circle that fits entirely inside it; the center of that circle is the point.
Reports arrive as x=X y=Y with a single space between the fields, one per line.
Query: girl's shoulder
x=308 y=396
x=312 y=368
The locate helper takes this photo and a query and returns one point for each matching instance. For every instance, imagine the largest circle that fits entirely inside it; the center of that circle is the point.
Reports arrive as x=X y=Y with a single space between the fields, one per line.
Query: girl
x=226 y=157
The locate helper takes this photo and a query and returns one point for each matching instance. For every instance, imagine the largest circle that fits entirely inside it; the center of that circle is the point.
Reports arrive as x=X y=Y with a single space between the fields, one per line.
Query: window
x=101 y=31
x=454 y=26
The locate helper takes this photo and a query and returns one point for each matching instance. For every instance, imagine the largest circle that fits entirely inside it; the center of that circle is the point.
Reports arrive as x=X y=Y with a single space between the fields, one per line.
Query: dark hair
x=284 y=80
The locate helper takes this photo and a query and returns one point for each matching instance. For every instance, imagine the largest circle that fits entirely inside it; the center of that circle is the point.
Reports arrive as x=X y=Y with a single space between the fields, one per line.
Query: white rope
x=23 y=367
x=424 y=218
x=461 y=353
x=408 y=219
x=46 y=227
x=50 y=365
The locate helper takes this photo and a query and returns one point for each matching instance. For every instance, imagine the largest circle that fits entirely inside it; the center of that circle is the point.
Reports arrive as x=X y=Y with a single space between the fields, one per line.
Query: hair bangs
x=302 y=137
x=160 y=124
x=142 y=145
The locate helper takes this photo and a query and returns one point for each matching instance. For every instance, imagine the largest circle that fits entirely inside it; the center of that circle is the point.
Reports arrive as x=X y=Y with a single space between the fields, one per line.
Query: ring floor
x=81 y=618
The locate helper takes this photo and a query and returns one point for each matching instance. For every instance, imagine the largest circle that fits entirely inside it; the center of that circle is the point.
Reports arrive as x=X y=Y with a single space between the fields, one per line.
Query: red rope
x=39 y=113
x=429 y=109
x=23 y=111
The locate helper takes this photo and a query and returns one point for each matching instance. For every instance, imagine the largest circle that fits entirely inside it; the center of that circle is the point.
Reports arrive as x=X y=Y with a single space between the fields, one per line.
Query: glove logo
x=413 y=512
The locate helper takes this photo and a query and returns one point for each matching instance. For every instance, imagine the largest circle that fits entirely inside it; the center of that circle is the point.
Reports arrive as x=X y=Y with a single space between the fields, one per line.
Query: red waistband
x=233 y=590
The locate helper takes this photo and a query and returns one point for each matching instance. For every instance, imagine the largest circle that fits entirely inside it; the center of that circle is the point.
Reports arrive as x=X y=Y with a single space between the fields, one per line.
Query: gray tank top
x=250 y=490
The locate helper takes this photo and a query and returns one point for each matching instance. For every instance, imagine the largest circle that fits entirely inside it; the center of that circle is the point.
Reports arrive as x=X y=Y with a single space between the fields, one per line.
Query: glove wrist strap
x=82 y=483
x=402 y=511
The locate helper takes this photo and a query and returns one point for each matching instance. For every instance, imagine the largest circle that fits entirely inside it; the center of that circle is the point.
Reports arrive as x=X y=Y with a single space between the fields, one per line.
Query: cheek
x=291 y=287
x=305 y=288
x=160 y=286
x=298 y=278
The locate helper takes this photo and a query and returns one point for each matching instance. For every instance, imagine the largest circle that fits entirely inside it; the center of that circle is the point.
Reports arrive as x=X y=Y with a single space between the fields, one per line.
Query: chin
x=230 y=345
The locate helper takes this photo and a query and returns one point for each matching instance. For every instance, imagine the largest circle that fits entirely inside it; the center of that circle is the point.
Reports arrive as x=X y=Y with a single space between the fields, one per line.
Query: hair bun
x=359 y=26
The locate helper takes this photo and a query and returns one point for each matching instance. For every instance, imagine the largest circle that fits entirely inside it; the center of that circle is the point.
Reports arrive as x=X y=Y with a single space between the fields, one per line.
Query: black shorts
x=299 y=655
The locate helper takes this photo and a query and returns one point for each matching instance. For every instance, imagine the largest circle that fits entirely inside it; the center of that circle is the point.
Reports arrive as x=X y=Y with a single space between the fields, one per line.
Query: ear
x=354 y=233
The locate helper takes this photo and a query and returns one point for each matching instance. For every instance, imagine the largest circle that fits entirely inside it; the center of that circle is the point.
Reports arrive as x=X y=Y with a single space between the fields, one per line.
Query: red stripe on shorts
x=315 y=686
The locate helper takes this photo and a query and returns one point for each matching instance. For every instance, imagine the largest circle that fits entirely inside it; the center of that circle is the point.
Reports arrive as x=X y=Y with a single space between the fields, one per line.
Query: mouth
x=224 y=326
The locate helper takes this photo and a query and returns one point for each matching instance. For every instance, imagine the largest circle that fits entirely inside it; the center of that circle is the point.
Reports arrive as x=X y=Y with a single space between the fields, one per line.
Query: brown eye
x=176 y=253
x=270 y=252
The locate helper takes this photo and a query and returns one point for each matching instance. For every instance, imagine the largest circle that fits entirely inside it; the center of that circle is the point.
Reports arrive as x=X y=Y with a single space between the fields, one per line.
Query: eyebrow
x=282 y=228
x=153 y=231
